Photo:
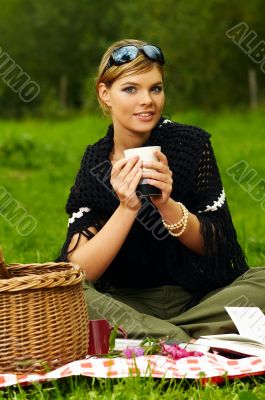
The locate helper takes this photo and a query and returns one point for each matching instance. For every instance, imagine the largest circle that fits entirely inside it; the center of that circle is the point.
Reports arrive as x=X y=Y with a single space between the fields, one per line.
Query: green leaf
x=246 y=395
x=112 y=338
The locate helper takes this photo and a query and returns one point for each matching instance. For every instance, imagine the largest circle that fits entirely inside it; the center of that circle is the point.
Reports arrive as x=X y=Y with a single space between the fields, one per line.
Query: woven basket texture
x=43 y=318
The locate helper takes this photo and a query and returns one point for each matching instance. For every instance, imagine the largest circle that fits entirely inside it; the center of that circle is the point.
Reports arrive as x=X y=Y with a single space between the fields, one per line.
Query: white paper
x=250 y=322
x=121 y=344
x=234 y=346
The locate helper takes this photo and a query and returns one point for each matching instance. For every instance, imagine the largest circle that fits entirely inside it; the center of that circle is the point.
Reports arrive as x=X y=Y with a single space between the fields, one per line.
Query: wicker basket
x=43 y=317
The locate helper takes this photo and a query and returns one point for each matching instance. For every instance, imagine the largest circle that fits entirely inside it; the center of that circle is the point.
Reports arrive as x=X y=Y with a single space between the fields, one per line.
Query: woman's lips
x=144 y=117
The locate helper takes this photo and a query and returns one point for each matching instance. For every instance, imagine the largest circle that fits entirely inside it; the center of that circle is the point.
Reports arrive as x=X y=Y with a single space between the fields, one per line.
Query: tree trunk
x=63 y=89
x=253 y=88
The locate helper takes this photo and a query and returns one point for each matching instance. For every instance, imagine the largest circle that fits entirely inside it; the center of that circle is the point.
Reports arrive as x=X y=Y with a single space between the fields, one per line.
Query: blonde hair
x=139 y=65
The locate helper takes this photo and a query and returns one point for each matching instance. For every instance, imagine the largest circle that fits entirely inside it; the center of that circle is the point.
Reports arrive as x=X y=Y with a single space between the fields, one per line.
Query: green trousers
x=163 y=311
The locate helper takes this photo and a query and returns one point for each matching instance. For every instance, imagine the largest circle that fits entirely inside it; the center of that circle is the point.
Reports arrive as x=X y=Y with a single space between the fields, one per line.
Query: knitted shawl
x=149 y=256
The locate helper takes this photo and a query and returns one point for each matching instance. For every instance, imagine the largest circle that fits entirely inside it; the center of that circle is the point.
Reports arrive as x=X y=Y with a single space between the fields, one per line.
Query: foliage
x=60 y=44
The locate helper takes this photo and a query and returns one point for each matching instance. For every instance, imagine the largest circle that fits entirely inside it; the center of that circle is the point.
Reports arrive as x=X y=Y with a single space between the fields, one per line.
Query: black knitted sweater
x=150 y=257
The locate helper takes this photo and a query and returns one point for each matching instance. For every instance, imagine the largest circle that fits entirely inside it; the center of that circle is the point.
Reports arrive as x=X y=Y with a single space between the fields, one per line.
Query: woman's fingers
x=157 y=165
x=117 y=167
x=124 y=170
x=162 y=157
x=129 y=166
x=127 y=182
x=153 y=174
x=161 y=165
x=130 y=195
x=126 y=175
x=136 y=179
x=121 y=164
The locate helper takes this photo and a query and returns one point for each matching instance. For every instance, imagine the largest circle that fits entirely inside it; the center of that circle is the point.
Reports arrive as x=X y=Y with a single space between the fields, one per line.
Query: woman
x=168 y=264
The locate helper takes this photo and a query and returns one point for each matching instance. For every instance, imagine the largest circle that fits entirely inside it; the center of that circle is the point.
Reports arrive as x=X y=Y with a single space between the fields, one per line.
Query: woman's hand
x=125 y=177
x=159 y=176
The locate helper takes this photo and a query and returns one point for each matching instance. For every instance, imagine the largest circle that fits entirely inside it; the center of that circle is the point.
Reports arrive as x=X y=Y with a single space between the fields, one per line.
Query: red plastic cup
x=99 y=335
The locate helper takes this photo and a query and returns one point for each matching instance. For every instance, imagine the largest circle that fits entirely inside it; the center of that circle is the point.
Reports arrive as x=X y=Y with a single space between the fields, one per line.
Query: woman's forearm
x=191 y=237
x=95 y=255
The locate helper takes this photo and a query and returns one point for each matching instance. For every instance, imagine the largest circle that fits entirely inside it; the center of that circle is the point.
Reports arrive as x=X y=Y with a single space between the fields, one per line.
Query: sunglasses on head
x=127 y=53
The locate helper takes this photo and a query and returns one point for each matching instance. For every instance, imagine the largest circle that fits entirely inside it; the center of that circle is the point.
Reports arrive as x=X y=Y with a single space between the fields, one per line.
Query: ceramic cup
x=146 y=154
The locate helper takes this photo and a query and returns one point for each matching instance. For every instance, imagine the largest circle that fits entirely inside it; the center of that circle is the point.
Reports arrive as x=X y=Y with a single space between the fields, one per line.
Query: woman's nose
x=146 y=98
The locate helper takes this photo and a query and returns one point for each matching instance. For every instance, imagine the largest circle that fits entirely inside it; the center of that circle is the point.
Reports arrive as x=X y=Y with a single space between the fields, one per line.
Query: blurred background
x=60 y=44
x=214 y=78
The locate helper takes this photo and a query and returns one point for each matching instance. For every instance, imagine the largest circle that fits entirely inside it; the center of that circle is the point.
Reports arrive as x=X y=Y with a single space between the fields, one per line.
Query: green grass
x=132 y=388
x=39 y=160
x=38 y=163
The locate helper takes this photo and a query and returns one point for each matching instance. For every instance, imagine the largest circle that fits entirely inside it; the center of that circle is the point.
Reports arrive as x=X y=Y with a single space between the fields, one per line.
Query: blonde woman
x=160 y=265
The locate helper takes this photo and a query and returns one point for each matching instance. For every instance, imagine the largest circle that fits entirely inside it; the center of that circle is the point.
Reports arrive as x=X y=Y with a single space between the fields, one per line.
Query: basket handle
x=4 y=273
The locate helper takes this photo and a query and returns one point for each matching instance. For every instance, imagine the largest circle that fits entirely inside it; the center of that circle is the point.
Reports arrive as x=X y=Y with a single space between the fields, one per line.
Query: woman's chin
x=145 y=125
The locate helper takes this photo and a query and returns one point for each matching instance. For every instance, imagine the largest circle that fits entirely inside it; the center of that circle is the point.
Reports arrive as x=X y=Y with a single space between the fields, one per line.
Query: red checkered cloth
x=209 y=366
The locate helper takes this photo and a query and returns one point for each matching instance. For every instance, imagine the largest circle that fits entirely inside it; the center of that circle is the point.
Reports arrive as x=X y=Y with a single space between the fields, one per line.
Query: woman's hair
x=139 y=65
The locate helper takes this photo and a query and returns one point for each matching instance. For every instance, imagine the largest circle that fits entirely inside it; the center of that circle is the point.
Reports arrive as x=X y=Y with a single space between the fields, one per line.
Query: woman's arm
x=191 y=237
x=162 y=177
x=96 y=254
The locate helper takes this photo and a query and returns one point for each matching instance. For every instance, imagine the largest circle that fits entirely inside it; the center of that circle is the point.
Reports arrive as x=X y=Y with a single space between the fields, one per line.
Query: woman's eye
x=129 y=89
x=157 y=88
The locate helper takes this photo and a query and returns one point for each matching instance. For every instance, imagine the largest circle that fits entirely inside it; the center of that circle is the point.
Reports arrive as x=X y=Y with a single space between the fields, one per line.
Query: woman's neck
x=126 y=140
x=118 y=148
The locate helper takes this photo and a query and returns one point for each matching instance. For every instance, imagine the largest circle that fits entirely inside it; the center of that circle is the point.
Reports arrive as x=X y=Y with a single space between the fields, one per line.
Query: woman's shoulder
x=186 y=132
x=95 y=148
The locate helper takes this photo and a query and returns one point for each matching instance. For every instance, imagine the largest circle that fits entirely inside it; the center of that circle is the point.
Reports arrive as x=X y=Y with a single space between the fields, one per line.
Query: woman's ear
x=104 y=95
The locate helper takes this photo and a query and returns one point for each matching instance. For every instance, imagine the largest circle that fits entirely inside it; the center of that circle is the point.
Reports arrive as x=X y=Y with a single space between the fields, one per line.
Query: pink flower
x=176 y=352
x=131 y=352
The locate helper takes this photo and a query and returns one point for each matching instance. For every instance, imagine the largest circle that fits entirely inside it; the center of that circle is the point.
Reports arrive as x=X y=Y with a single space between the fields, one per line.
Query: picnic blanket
x=208 y=367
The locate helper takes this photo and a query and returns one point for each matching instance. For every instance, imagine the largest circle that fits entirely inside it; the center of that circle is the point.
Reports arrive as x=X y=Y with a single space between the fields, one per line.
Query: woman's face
x=136 y=101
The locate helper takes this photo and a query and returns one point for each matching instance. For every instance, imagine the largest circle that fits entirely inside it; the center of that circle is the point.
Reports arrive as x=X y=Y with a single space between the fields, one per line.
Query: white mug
x=146 y=154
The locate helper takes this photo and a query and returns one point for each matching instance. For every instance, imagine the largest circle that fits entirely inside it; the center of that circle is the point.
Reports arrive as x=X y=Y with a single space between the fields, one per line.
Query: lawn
x=39 y=160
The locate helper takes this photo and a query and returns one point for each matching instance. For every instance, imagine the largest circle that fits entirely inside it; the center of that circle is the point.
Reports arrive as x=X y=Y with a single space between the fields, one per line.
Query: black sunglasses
x=127 y=53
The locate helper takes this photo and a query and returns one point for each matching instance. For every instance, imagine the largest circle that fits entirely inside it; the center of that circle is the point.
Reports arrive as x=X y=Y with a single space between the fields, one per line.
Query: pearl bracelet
x=182 y=223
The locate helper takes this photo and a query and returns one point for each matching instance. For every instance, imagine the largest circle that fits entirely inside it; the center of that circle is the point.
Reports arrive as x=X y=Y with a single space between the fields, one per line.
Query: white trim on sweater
x=78 y=214
x=218 y=203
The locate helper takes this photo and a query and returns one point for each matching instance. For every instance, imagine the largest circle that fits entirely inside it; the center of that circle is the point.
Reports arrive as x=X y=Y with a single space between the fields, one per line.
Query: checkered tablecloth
x=209 y=366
